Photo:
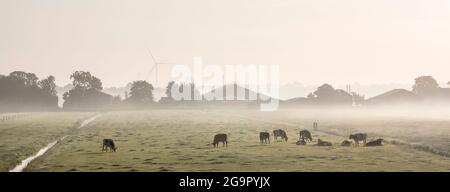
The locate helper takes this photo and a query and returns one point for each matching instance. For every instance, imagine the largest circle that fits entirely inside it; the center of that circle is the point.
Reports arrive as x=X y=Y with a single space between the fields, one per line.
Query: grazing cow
x=346 y=143
x=359 y=137
x=220 y=138
x=305 y=135
x=301 y=142
x=377 y=142
x=323 y=143
x=108 y=143
x=280 y=133
x=264 y=137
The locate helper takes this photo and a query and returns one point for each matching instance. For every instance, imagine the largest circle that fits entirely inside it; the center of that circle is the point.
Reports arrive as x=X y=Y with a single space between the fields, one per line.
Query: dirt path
x=42 y=151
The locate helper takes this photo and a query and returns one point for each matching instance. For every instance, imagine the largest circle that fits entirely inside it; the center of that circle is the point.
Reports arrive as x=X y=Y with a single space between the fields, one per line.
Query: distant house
x=396 y=96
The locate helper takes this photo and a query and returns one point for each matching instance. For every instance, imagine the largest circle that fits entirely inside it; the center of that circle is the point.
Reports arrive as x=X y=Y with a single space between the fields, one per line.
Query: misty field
x=180 y=140
x=25 y=135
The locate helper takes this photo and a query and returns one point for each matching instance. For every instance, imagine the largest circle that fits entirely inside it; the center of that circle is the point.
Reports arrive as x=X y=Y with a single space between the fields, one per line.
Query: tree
x=28 y=79
x=141 y=92
x=448 y=83
x=424 y=85
x=169 y=89
x=23 y=91
x=86 y=92
x=48 y=85
x=326 y=94
x=84 y=80
x=357 y=98
x=116 y=100
x=325 y=91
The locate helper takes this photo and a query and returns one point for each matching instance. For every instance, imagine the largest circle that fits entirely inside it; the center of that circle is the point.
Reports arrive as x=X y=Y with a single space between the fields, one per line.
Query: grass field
x=179 y=140
x=24 y=136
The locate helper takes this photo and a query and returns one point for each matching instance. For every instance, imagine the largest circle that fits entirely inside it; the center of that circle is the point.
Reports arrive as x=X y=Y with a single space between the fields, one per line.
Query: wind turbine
x=155 y=66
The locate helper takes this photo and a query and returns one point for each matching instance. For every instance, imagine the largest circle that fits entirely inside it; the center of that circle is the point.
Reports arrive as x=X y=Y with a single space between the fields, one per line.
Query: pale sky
x=313 y=41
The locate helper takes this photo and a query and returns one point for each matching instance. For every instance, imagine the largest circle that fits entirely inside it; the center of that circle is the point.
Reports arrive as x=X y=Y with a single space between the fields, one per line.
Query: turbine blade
x=153 y=58
x=153 y=68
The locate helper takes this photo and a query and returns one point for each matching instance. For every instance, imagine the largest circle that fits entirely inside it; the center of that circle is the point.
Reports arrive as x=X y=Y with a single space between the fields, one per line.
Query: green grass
x=179 y=140
x=24 y=136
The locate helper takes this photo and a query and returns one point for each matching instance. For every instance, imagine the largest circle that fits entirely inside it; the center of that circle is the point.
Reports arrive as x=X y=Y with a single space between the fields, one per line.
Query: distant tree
x=325 y=91
x=448 y=83
x=424 y=85
x=86 y=92
x=48 y=85
x=84 y=80
x=326 y=94
x=310 y=96
x=141 y=92
x=116 y=100
x=357 y=98
x=28 y=79
x=169 y=89
x=169 y=98
x=23 y=91
x=195 y=92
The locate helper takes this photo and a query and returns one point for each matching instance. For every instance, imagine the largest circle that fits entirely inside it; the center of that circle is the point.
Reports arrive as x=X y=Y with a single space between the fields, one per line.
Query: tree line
x=22 y=91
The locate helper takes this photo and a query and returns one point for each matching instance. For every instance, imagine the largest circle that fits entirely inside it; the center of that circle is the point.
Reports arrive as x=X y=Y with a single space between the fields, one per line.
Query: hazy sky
x=313 y=41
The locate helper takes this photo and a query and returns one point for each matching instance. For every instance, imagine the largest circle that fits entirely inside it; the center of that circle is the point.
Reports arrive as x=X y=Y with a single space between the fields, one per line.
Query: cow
x=108 y=143
x=323 y=143
x=280 y=133
x=264 y=137
x=301 y=142
x=221 y=137
x=359 y=137
x=346 y=143
x=305 y=135
x=377 y=142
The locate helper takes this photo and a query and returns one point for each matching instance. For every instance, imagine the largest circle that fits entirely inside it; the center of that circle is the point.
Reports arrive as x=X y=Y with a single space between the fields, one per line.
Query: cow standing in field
x=264 y=137
x=220 y=138
x=358 y=137
x=377 y=142
x=305 y=135
x=280 y=133
x=108 y=143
